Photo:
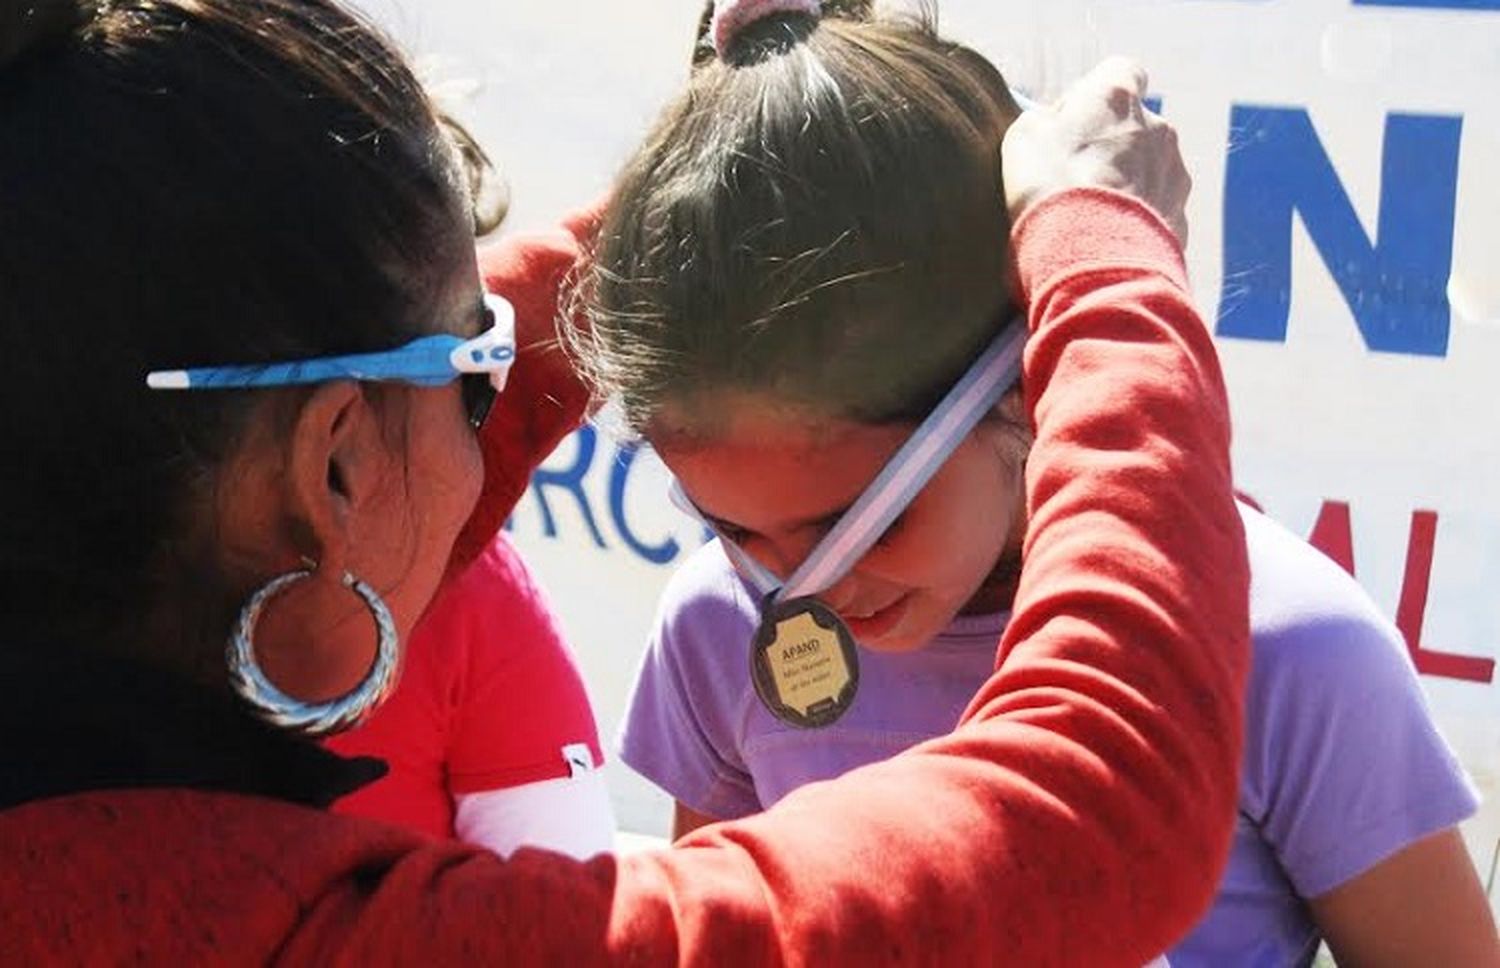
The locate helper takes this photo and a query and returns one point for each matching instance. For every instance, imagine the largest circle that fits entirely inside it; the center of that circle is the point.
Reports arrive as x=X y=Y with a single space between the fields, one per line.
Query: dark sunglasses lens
x=479 y=396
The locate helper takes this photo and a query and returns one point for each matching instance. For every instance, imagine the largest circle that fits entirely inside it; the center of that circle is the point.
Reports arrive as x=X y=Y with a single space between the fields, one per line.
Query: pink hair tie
x=733 y=16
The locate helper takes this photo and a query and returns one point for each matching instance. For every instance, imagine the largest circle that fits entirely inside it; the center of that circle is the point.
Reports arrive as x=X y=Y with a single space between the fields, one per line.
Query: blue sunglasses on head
x=482 y=363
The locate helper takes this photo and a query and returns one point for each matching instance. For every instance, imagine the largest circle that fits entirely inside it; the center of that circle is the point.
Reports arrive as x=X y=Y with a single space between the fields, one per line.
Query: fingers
x=1124 y=73
x=1098 y=134
x=1114 y=77
x=1177 y=183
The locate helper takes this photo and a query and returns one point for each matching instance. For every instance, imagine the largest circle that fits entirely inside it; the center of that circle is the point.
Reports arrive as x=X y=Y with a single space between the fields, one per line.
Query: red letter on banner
x=1413 y=608
x=1332 y=535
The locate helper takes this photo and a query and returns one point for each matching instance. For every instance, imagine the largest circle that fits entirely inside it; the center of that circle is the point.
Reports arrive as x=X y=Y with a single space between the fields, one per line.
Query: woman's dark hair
x=187 y=182
x=818 y=217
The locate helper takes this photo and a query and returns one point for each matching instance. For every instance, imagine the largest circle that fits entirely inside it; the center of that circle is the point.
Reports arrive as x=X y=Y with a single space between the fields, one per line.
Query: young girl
x=798 y=264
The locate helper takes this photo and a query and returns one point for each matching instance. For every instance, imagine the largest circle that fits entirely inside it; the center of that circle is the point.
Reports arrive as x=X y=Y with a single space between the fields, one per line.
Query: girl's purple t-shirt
x=1342 y=765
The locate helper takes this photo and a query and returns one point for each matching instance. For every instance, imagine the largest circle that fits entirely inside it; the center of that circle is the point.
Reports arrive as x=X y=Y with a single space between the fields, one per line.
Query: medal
x=803 y=662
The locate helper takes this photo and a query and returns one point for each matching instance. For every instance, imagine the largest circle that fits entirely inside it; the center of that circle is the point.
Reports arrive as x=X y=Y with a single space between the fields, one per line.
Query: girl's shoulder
x=1343 y=764
x=699 y=644
x=1305 y=609
x=706 y=597
x=494 y=597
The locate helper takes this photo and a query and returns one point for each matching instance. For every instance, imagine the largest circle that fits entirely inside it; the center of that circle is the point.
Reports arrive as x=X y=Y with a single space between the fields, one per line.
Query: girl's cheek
x=899 y=557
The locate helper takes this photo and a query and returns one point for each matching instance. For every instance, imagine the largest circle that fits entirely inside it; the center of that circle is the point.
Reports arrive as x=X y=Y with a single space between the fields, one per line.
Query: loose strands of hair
x=820 y=218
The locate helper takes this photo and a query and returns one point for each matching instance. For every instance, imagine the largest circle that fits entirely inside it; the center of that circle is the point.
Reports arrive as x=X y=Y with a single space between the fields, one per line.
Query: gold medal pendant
x=803 y=662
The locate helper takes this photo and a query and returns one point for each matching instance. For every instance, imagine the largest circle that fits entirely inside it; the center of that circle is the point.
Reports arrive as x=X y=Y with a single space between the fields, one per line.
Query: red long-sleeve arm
x=544 y=400
x=1079 y=816
x=1081 y=813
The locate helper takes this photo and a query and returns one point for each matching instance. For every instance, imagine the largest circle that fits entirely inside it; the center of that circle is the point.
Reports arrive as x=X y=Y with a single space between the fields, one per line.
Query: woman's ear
x=336 y=461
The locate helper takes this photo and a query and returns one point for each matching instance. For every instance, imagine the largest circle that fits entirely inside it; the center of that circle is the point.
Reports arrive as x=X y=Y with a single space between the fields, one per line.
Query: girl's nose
x=782 y=555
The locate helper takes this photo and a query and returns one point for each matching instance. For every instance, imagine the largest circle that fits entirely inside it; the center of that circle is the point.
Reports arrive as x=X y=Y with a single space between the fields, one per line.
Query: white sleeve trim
x=571 y=816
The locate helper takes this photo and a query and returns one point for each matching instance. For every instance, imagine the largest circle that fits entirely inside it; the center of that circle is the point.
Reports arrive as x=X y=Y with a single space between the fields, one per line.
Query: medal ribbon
x=897 y=484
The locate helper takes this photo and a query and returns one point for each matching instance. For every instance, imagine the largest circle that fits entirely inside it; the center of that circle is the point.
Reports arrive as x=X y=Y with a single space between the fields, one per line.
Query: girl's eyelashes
x=739 y=535
x=730 y=532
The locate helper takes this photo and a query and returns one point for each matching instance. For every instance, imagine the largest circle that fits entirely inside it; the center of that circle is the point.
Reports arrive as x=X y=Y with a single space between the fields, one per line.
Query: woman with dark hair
x=241 y=231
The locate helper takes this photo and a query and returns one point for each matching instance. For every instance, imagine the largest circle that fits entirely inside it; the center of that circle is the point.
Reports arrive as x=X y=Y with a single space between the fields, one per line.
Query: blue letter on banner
x=1396 y=287
x=619 y=476
x=571 y=481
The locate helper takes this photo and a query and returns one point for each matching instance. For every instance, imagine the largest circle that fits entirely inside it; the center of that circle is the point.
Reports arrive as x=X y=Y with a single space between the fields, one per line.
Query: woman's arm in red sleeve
x=544 y=400
x=1081 y=813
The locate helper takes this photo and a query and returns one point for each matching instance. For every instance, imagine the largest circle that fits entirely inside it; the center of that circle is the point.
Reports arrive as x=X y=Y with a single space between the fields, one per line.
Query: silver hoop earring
x=311 y=718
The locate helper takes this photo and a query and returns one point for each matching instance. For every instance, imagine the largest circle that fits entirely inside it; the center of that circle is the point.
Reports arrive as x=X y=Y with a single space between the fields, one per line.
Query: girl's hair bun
x=724 y=21
x=731 y=18
x=30 y=26
x=850 y=9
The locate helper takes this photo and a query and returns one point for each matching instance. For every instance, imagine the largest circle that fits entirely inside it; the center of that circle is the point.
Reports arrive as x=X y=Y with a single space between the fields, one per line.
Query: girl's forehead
x=747 y=421
x=764 y=467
